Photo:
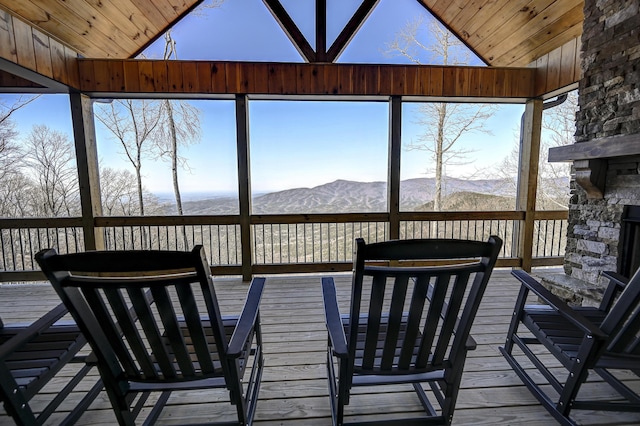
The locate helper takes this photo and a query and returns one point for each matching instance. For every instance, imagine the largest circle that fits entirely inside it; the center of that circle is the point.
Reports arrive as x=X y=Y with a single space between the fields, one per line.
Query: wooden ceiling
x=102 y=28
x=502 y=32
x=510 y=32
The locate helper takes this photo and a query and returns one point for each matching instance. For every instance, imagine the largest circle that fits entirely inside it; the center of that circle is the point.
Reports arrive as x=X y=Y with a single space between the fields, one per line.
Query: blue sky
x=293 y=144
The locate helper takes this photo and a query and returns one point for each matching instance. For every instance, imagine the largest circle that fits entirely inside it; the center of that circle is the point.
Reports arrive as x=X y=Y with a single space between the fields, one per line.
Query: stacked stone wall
x=609 y=105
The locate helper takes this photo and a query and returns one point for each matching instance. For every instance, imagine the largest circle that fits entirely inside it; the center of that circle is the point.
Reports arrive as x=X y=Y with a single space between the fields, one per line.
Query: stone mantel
x=590 y=159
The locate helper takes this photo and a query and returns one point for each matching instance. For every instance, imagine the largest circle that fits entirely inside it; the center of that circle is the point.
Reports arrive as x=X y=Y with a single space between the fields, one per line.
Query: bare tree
x=10 y=152
x=50 y=163
x=120 y=194
x=133 y=123
x=427 y=42
x=180 y=125
x=558 y=128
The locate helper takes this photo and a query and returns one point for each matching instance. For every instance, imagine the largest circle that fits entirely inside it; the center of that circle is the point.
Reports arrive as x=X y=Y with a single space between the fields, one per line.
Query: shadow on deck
x=294 y=387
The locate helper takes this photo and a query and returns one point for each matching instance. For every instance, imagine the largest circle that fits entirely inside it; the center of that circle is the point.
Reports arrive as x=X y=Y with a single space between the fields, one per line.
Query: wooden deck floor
x=294 y=388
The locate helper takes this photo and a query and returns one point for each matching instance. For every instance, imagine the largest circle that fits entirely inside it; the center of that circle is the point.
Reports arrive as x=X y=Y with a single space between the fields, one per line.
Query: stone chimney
x=606 y=154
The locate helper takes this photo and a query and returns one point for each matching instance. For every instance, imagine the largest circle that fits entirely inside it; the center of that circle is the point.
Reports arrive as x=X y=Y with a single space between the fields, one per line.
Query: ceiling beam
x=291 y=30
x=352 y=27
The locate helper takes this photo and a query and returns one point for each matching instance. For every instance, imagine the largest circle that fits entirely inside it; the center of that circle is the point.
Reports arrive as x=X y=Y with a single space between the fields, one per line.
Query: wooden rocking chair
x=407 y=324
x=583 y=339
x=153 y=321
x=31 y=355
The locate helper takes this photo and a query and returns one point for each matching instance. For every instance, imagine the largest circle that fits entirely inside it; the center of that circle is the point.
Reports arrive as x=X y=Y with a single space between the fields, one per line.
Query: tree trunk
x=439 y=154
x=174 y=156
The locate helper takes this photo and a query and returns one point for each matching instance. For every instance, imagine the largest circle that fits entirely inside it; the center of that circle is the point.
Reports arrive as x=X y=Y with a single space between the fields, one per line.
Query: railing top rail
x=40 y=222
x=106 y=221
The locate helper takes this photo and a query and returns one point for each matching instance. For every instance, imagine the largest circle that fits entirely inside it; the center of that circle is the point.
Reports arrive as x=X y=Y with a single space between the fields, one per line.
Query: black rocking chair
x=407 y=324
x=31 y=355
x=583 y=339
x=153 y=321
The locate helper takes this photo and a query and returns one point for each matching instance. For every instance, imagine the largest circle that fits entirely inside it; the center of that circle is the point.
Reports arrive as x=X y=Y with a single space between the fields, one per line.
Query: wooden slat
x=559 y=68
x=25 y=50
x=7 y=38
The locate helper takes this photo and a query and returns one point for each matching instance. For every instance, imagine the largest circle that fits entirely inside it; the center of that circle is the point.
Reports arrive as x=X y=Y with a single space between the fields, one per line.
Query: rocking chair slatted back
x=412 y=306
x=153 y=321
x=125 y=313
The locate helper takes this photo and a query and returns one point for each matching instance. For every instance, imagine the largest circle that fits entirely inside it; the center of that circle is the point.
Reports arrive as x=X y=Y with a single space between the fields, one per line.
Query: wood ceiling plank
x=468 y=12
x=172 y=9
x=541 y=23
x=481 y=22
x=126 y=14
x=151 y=12
x=435 y=6
x=482 y=34
x=537 y=51
x=67 y=31
x=454 y=9
x=544 y=41
x=120 y=34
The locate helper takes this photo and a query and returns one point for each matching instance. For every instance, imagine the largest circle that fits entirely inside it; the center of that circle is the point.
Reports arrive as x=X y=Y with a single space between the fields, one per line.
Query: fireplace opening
x=629 y=253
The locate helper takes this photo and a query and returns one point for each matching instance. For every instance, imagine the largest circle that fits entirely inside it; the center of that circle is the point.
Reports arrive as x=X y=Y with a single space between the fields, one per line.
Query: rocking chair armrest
x=248 y=317
x=30 y=332
x=617 y=283
x=559 y=305
x=332 y=315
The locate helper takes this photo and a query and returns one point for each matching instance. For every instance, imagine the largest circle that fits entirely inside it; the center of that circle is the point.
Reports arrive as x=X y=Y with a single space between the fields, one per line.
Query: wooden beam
x=284 y=79
x=528 y=177
x=244 y=183
x=291 y=30
x=395 y=147
x=352 y=27
x=88 y=173
x=321 y=31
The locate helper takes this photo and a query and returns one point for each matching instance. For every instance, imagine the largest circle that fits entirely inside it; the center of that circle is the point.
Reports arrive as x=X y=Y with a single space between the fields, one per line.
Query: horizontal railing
x=279 y=243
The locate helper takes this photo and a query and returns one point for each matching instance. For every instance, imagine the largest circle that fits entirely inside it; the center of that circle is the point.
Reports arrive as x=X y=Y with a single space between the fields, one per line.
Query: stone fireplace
x=606 y=152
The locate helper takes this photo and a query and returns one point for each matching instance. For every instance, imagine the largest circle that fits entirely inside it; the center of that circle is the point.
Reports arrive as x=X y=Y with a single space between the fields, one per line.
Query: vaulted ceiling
x=501 y=32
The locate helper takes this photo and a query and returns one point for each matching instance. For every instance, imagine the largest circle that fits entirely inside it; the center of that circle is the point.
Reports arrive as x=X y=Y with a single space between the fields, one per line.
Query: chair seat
x=42 y=356
x=559 y=336
x=583 y=340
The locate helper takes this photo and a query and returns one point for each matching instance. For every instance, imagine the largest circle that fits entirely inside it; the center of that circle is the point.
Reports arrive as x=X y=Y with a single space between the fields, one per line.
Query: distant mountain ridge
x=349 y=196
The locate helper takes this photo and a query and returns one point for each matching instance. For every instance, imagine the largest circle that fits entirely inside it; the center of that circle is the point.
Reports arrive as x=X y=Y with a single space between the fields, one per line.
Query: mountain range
x=348 y=196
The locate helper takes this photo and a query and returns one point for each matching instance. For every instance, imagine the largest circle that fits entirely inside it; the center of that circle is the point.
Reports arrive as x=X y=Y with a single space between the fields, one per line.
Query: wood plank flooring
x=294 y=387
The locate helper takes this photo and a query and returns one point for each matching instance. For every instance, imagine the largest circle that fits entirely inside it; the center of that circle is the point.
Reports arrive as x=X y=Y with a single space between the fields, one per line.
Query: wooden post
x=84 y=134
x=393 y=186
x=244 y=183
x=528 y=177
